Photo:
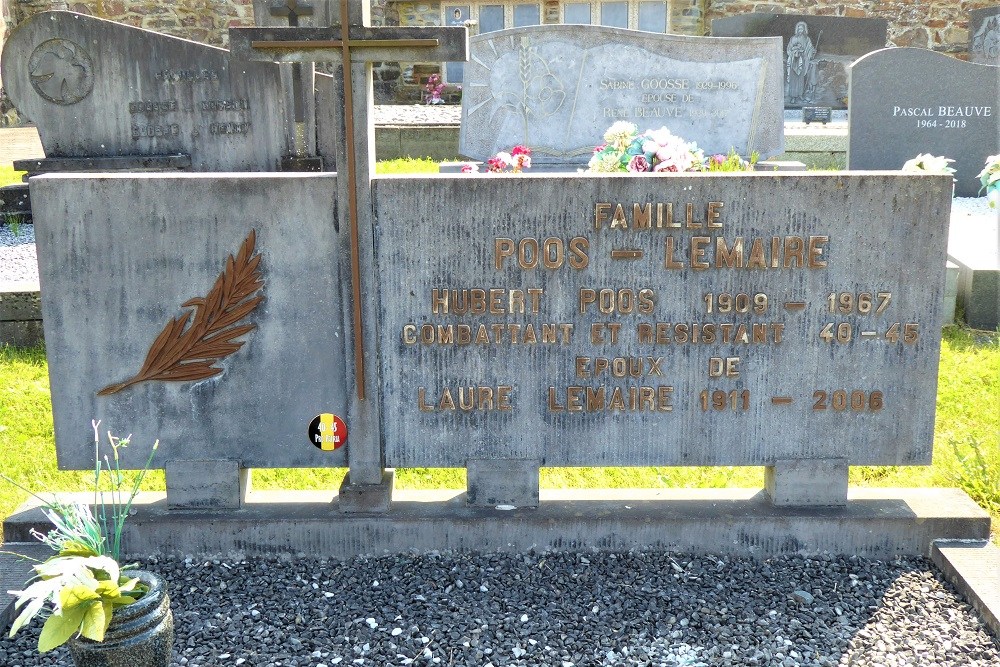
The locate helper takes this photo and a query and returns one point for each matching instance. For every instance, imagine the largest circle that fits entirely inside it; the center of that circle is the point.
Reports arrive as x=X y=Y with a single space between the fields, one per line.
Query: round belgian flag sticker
x=328 y=432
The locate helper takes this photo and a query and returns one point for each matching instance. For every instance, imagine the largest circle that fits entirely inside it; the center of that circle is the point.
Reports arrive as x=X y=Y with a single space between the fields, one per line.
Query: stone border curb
x=973 y=567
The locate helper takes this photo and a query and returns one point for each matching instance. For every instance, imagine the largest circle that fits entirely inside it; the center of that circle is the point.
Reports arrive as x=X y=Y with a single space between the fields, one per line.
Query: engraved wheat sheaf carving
x=187 y=349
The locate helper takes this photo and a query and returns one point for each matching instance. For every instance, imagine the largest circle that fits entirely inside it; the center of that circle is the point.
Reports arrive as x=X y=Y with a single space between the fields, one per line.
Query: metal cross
x=353 y=42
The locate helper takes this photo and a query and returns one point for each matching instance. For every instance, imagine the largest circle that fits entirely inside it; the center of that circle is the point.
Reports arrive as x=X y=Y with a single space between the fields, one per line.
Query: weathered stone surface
x=101 y=89
x=910 y=101
x=505 y=482
x=807 y=482
x=558 y=88
x=818 y=59
x=489 y=233
x=984 y=36
x=119 y=255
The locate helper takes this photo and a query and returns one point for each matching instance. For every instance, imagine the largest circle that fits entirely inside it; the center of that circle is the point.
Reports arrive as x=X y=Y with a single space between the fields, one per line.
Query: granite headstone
x=909 y=101
x=680 y=320
x=110 y=94
x=984 y=36
x=818 y=50
x=557 y=88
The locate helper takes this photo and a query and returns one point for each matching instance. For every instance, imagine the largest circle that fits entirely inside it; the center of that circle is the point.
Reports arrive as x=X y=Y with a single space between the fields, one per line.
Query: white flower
x=620 y=134
x=931 y=164
x=505 y=157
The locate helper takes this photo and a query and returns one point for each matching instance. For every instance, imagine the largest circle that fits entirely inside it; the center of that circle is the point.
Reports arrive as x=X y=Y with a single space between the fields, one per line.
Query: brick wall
x=941 y=25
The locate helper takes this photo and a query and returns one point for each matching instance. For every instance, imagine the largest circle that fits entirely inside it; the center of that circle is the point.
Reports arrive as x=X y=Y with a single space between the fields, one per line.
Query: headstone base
x=357 y=498
x=807 y=482
x=207 y=485
x=294 y=163
x=493 y=482
x=875 y=523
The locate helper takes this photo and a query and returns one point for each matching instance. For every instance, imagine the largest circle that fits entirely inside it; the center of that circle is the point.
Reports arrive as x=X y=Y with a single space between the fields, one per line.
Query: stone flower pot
x=140 y=634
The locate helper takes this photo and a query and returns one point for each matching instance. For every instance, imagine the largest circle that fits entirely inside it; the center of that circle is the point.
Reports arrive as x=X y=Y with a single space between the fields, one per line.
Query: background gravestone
x=818 y=59
x=908 y=101
x=558 y=88
x=120 y=95
x=984 y=36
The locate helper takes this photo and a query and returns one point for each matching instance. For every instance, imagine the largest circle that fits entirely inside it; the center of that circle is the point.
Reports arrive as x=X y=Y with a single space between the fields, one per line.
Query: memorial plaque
x=557 y=88
x=129 y=261
x=96 y=88
x=683 y=320
x=910 y=101
x=818 y=50
x=984 y=36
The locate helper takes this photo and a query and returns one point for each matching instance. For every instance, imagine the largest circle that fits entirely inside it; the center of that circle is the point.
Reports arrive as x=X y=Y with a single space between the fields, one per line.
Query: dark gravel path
x=562 y=609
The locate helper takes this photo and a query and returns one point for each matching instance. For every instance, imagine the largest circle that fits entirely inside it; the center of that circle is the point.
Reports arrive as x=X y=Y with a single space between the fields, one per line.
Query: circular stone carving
x=61 y=71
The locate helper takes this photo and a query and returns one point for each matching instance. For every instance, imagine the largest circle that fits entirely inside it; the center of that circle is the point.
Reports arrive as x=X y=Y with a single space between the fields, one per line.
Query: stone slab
x=906 y=101
x=973 y=567
x=974 y=246
x=557 y=88
x=530 y=387
x=14 y=574
x=984 y=36
x=100 y=325
x=142 y=93
x=834 y=42
x=876 y=523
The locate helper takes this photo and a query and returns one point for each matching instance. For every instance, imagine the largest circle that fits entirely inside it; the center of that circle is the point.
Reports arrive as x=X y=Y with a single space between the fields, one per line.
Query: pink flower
x=495 y=164
x=638 y=163
x=520 y=150
x=470 y=168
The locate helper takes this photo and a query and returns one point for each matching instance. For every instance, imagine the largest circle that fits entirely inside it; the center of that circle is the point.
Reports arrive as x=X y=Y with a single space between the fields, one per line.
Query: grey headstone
x=119 y=255
x=557 y=88
x=909 y=101
x=529 y=391
x=817 y=62
x=984 y=36
x=96 y=88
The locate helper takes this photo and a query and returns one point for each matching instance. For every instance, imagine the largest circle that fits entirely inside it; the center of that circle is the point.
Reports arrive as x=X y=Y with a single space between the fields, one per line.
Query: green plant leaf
x=96 y=620
x=59 y=628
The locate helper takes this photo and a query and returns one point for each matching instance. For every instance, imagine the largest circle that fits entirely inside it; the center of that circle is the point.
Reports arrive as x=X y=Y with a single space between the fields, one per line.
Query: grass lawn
x=8 y=176
x=967 y=441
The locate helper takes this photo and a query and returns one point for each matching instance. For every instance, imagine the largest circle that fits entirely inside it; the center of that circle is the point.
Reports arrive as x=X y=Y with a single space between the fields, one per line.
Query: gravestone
x=817 y=50
x=498 y=324
x=108 y=96
x=557 y=88
x=984 y=36
x=908 y=101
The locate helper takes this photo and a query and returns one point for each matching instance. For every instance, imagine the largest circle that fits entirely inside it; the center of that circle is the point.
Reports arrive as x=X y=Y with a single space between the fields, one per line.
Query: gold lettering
x=641 y=215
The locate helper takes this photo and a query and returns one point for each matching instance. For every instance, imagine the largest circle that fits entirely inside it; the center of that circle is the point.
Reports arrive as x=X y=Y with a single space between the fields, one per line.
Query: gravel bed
x=17 y=254
x=562 y=609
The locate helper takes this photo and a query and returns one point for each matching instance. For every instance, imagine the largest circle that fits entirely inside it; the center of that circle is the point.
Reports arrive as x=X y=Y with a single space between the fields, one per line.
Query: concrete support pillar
x=494 y=482
x=206 y=484
x=807 y=482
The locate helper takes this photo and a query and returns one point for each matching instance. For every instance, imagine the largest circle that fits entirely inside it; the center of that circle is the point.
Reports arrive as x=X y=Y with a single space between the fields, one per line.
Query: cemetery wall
x=941 y=25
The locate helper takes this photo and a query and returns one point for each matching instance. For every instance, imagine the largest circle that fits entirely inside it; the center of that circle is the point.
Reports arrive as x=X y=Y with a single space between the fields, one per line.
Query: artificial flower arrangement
x=434 y=88
x=516 y=161
x=626 y=150
x=990 y=178
x=930 y=164
x=78 y=589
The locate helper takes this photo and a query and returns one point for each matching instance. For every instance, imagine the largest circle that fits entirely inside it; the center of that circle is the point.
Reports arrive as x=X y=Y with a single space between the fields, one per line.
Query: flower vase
x=140 y=634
